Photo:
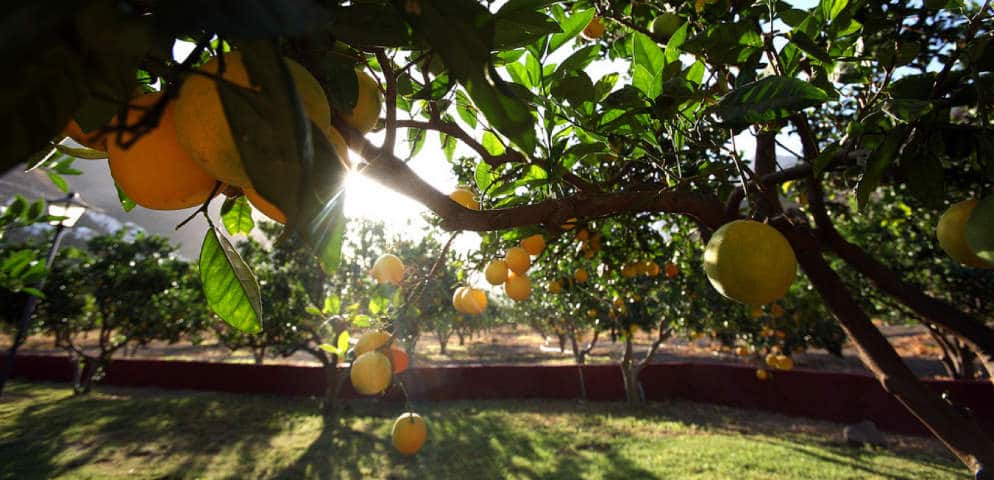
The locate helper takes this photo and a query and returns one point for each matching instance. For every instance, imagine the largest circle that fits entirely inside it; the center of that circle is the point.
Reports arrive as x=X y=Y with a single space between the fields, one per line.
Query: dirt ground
x=521 y=345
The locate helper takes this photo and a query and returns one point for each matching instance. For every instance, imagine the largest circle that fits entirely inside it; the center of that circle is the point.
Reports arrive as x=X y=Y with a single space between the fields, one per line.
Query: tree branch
x=390 y=138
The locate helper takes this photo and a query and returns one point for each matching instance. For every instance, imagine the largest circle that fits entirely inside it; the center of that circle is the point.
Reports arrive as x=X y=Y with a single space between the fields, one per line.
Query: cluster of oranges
x=377 y=360
x=178 y=162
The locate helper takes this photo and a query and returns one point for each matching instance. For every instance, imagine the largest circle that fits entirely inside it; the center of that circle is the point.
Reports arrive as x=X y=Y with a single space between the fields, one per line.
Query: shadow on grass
x=58 y=433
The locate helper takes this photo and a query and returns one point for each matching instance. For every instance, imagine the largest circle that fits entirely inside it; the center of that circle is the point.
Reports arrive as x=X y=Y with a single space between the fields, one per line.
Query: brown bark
x=960 y=434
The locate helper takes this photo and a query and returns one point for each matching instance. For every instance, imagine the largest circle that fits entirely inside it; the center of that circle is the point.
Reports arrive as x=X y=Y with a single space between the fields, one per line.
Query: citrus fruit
x=371 y=373
x=388 y=269
x=555 y=286
x=399 y=359
x=366 y=112
x=95 y=139
x=533 y=244
x=263 y=205
x=979 y=231
x=458 y=299
x=630 y=270
x=474 y=301
x=517 y=260
x=750 y=262
x=665 y=25
x=582 y=235
x=771 y=359
x=370 y=341
x=409 y=433
x=594 y=30
x=202 y=127
x=569 y=225
x=517 y=287
x=464 y=197
x=783 y=362
x=651 y=268
x=581 y=275
x=762 y=375
x=671 y=270
x=496 y=272
x=951 y=232
x=155 y=171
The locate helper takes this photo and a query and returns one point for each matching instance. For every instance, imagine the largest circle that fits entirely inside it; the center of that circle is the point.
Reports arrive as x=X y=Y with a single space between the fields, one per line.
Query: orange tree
x=876 y=93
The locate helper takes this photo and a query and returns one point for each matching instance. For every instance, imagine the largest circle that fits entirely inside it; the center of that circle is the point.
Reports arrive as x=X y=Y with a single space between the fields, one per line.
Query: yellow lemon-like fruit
x=368 y=102
x=202 y=127
x=155 y=171
x=464 y=197
x=517 y=287
x=762 y=375
x=951 y=232
x=371 y=373
x=594 y=30
x=370 y=341
x=496 y=272
x=581 y=275
x=517 y=260
x=388 y=269
x=783 y=362
x=409 y=433
x=533 y=244
x=458 y=298
x=750 y=262
x=771 y=359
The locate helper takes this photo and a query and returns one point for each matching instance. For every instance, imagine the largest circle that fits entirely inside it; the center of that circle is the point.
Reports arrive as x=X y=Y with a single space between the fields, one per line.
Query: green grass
x=138 y=433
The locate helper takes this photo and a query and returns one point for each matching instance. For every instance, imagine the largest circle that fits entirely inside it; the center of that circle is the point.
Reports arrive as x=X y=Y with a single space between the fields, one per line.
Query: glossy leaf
x=236 y=214
x=768 y=99
x=230 y=288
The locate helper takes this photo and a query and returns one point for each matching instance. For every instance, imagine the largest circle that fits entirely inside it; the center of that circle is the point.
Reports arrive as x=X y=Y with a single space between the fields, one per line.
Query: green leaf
x=878 y=163
x=330 y=349
x=517 y=28
x=727 y=43
x=81 y=152
x=576 y=89
x=236 y=214
x=830 y=9
x=332 y=305
x=343 y=341
x=980 y=229
x=578 y=60
x=59 y=182
x=571 y=27
x=378 y=304
x=825 y=158
x=907 y=109
x=230 y=287
x=802 y=41
x=371 y=25
x=361 y=321
x=768 y=99
x=492 y=144
x=483 y=176
x=127 y=204
x=327 y=234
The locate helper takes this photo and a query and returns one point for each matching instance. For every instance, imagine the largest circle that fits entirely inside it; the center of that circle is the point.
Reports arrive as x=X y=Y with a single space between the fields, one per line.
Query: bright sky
x=368 y=199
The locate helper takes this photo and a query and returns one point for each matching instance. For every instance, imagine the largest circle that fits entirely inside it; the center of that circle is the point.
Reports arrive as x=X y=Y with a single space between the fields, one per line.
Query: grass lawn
x=141 y=433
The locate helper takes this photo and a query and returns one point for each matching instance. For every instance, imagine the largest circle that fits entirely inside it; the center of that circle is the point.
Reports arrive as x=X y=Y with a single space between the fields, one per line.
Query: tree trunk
x=562 y=342
x=462 y=338
x=258 y=355
x=630 y=372
x=86 y=368
x=443 y=342
x=331 y=387
x=960 y=434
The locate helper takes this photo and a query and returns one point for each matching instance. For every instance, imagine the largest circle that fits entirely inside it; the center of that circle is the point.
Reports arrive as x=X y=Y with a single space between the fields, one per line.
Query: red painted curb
x=837 y=397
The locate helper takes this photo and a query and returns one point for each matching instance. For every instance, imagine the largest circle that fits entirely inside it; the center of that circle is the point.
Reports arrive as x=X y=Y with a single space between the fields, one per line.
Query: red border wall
x=838 y=397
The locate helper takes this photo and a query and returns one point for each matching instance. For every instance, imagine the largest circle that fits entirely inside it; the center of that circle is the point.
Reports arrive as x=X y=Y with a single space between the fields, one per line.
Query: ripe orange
x=464 y=197
x=762 y=375
x=533 y=244
x=366 y=112
x=581 y=275
x=496 y=272
x=399 y=359
x=517 y=260
x=630 y=270
x=263 y=205
x=651 y=268
x=475 y=301
x=202 y=127
x=370 y=341
x=742 y=351
x=409 y=433
x=671 y=270
x=94 y=139
x=388 y=269
x=555 y=286
x=371 y=373
x=569 y=225
x=155 y=171
x=582 y=235
x=517 y=287
x=457 y=299
x=750 y=262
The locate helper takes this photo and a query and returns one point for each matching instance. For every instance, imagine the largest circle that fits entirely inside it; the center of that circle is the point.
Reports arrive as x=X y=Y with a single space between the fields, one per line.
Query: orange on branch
x=94 y=139
x=399 y=359
x=409 y=433
x=517 y=287
x=951 y=232
x=371 y=373
x=464 y=197
x=594 y=30
x=496 y=272
x=155 y=171
x=750 y=262
x=581 y=275
x=202 y=126
x=517 y=260
x=533 y=244
x=388 y=269
x=370 y=341
x=366 y=112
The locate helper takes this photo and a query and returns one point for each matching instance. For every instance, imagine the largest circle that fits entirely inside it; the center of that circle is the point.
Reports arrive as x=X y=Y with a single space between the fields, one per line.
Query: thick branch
x=960 y=434
x=390 y=95
x=397 y=175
